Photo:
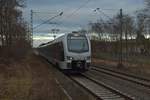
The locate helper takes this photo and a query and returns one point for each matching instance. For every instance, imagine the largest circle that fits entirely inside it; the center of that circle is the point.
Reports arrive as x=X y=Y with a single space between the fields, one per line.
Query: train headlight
x=69 y=58
x=88 y=57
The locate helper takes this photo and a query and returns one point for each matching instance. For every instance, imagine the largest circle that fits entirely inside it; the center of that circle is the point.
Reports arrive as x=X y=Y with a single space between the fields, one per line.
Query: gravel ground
x=75 y=91
x=141 y=93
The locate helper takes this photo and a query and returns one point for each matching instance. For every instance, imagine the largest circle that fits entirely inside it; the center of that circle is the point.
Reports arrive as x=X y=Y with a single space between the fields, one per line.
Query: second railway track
x=137 y=80
x=100 y=90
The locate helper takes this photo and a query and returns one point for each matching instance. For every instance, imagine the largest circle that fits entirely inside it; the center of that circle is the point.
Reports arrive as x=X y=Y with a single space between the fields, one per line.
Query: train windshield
x=77 y=44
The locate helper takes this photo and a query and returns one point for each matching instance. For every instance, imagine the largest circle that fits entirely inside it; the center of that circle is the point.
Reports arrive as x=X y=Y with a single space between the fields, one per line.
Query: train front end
x=78 y=52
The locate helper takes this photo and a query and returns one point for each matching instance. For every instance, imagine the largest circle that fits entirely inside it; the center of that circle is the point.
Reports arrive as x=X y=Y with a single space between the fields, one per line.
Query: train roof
x=53 y=41
x=61 y=38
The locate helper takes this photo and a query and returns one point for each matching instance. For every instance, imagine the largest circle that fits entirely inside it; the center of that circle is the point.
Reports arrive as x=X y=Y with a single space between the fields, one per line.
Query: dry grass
x=136 y=63
x=141 y=69
x=15 y=81
x=28 y=79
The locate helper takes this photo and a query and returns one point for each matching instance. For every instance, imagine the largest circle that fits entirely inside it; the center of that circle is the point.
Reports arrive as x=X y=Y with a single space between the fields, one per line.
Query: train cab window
x=77 y=43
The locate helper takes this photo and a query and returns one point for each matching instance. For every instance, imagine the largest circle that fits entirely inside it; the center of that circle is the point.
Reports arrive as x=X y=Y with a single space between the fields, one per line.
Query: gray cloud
x=81 y=17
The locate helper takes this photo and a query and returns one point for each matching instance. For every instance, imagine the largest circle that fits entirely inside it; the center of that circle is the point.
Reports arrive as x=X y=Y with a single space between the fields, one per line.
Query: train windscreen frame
x=77 y=43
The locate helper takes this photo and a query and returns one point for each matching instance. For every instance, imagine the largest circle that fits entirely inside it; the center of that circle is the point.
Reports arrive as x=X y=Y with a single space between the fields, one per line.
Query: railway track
x=98 y=89
x=132 y=78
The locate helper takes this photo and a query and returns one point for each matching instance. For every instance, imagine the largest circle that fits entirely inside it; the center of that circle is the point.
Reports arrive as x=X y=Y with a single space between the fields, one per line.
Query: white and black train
x=70 y=52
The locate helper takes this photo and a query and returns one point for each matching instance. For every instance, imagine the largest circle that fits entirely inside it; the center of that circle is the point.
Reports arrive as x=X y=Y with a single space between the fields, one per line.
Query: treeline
x=132 y=27
x=135 y=32
x=14 y=33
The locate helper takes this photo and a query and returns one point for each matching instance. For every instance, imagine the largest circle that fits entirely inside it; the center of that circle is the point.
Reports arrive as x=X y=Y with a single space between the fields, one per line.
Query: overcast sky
x=76 y=13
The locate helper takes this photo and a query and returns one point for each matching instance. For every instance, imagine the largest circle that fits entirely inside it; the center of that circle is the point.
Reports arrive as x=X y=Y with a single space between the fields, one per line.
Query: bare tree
x=98 y=27
x=12 y=27
x=11 y=18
